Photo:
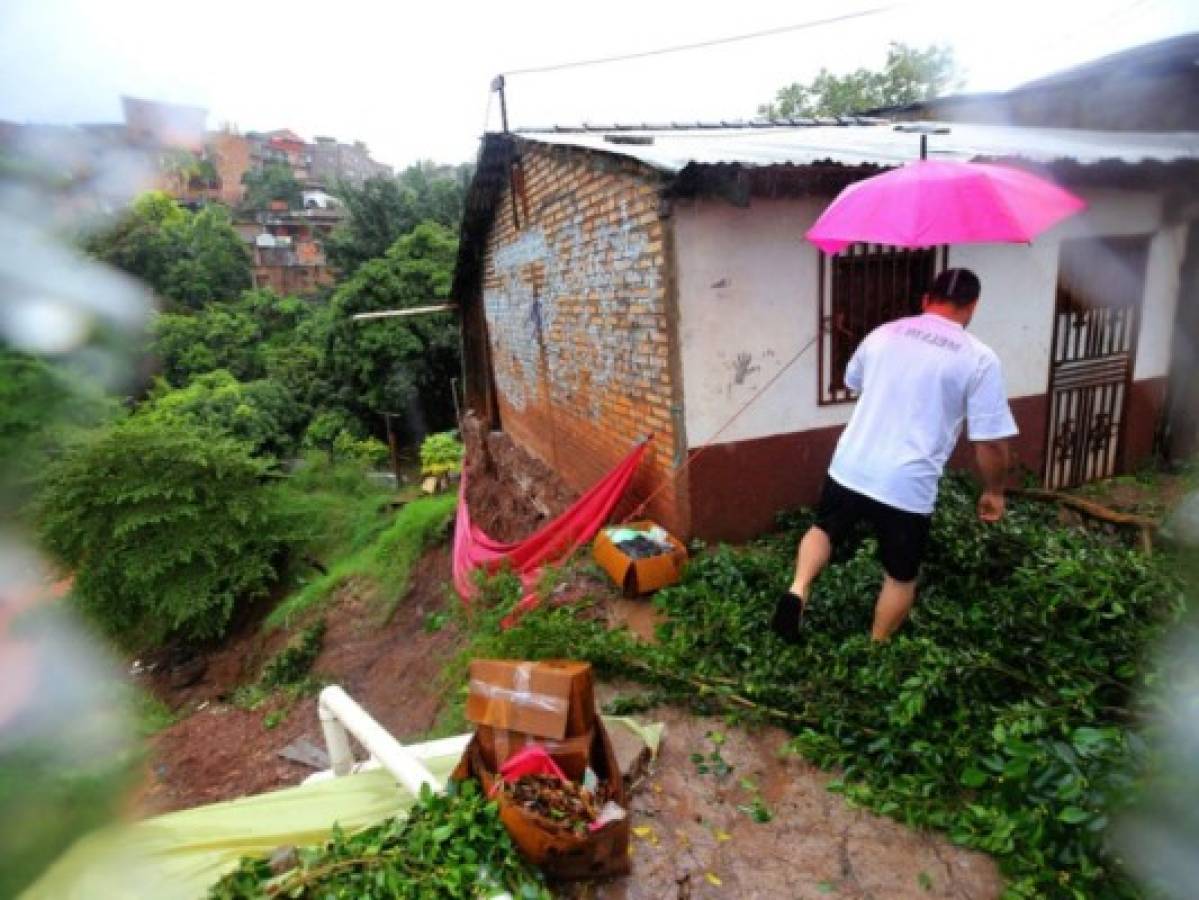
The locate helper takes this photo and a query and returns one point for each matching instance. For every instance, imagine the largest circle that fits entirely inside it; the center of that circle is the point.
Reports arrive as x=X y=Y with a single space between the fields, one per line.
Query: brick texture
x=575 y=296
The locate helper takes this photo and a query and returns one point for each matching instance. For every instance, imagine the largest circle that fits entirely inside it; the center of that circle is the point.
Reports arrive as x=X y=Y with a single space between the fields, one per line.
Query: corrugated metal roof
x=853 y=145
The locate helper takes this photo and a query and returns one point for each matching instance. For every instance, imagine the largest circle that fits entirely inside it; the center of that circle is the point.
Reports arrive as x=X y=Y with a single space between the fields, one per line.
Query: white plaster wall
x=748 y=297
x=1167 y=253
x=747 y=303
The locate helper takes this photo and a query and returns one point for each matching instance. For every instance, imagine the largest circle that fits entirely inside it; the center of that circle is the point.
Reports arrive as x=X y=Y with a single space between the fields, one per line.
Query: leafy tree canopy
x=402 y=364
x=908 y=75
x=188 y=259
x=262 y=414
x=272 y=182
x=384 y=208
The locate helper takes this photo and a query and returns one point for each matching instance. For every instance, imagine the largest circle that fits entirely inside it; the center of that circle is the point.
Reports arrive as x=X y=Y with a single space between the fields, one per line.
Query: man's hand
x=993 y=460
x=990 y=506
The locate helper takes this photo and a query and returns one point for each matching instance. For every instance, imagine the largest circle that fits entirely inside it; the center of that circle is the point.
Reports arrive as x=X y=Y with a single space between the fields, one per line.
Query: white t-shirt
x=918 y=378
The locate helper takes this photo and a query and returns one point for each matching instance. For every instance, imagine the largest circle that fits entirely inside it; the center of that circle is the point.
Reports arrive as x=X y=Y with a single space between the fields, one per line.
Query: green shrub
x=342 y=437
x=291 y=664
x=166 y=525
x=441 y=454
x=42 y=406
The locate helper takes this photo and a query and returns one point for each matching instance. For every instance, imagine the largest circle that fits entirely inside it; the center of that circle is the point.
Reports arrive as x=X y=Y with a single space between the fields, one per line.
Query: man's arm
x=993 y=461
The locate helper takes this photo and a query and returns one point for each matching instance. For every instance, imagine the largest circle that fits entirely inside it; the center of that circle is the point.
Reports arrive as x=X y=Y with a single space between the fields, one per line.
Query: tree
x=208 y=259
x=272 y=182
x=384 y=208
x=188 y=259
x=242 y=335
x=43 y=405
x=909 y=75
x=402 y=364
x=167 y=526
x=262 y=414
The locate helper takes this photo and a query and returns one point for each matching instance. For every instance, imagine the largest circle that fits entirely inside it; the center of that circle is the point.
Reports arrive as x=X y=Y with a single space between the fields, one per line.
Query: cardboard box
x=571 y=754
x=552 y=699
x=640 y=576
x=563 y=854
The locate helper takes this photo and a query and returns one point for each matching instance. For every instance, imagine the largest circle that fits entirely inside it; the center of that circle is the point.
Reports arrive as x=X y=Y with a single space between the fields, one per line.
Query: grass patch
x=286 y=676
x=150 y=714
x=384 y=556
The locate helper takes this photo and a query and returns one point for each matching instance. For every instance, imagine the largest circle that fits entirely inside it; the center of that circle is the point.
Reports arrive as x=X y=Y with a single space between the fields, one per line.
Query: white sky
x=411 y=79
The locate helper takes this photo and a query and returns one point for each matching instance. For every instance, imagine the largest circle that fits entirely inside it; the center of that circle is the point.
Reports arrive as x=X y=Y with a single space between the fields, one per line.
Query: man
x=917 y=378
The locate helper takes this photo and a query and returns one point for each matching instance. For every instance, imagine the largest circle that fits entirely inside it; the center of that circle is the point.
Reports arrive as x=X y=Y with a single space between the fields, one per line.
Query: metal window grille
x=860 y=289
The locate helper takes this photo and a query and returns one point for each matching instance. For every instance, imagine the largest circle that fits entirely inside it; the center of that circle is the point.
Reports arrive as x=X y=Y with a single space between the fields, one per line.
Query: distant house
x=618 y=281
x=333 y=162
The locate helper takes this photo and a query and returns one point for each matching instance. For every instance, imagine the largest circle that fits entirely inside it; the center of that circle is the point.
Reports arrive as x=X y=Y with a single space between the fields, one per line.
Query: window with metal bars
x=860 y=289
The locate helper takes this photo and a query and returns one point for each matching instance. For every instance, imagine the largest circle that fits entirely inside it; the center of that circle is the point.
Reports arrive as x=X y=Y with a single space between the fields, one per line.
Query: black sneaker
x=788 y=617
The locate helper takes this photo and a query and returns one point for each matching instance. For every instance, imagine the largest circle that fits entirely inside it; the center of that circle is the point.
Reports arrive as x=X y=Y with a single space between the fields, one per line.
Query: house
x=615 y=281
x=333 y=162
x=1151 y=87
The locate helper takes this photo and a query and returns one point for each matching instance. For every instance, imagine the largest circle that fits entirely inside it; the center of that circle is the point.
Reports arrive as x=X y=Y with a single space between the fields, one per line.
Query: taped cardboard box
x=497 y=745
x=552 y=699
x=560 y=853
x=644 y=575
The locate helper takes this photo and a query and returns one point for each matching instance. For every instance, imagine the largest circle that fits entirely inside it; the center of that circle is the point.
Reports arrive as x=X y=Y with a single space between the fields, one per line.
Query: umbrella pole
x=924 y=146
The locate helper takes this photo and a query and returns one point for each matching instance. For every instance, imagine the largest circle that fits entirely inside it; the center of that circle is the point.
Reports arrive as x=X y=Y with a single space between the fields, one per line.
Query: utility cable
x=715 y=42
x=711 y=441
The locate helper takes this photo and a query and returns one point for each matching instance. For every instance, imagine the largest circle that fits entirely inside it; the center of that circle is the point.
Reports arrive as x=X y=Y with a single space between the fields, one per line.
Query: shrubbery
x=441 y=454
x=166 y=526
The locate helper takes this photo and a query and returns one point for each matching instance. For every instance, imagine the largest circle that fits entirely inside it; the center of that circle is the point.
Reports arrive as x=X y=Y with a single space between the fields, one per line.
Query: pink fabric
x=555 y=541
x=531 y=760
x=933 y=202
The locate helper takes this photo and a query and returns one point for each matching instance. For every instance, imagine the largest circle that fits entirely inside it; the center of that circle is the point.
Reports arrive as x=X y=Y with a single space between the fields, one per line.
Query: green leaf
x=1073 y=815
x=974 y=778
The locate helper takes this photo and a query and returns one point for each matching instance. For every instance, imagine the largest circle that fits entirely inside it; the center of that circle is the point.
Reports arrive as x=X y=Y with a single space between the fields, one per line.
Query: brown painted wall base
x=738 y=489
x=1146 y=408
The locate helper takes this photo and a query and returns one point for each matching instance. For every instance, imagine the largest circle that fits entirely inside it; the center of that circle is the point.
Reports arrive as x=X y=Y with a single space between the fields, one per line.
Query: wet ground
x=695 y=834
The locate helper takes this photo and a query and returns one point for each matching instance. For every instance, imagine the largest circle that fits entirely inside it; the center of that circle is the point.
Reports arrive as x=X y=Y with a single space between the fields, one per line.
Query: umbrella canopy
x=933 y=202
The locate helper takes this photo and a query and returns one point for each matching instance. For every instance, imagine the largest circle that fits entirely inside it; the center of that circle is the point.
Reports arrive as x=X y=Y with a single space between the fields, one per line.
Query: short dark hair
x=960 y=287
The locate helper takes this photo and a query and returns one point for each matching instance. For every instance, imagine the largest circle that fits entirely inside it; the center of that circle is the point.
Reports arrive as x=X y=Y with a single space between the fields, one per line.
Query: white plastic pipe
x=340 y=714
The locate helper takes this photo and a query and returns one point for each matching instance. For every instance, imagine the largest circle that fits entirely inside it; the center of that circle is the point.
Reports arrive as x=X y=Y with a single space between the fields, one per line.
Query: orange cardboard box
x=552 y=699
x=563 y=854
x=640 y=576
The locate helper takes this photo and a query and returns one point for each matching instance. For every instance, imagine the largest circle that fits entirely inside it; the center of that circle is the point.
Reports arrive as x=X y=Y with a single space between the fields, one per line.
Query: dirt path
x=699 y=844
x=691 y=839
x=220 y=751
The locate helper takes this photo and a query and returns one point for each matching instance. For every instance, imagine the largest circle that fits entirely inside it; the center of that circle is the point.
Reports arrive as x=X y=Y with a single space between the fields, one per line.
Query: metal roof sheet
x=673 y=149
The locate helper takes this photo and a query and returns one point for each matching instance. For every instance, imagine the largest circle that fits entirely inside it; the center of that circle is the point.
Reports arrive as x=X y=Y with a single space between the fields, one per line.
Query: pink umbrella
x=933 y=202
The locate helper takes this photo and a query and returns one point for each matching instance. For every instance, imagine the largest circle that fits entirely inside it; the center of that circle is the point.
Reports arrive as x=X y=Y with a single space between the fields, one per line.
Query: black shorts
x=902 y=535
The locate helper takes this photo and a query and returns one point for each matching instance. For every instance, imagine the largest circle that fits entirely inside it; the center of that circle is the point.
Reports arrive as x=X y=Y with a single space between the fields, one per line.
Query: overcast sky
x=412 y=79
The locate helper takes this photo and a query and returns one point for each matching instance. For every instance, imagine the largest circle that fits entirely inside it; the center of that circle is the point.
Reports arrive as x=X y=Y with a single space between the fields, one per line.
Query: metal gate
x=1101 y=282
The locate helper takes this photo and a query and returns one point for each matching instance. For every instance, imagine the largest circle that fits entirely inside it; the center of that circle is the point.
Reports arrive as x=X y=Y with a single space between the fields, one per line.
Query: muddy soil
x=220 y=751
x=510 y=493
x=692 y=841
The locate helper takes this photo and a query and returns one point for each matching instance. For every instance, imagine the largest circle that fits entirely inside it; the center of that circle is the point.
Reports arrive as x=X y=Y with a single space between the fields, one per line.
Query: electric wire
x=715 y=42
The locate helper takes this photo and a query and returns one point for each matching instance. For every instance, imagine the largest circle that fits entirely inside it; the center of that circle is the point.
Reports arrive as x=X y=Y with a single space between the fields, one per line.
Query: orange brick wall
x=576 y=301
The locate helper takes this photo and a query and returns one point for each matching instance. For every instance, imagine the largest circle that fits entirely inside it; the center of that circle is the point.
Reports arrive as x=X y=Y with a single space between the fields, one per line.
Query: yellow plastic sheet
x=178 y=856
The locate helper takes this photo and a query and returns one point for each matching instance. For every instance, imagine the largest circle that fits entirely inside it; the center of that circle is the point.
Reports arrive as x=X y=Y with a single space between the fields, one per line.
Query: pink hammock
x=555 y=541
